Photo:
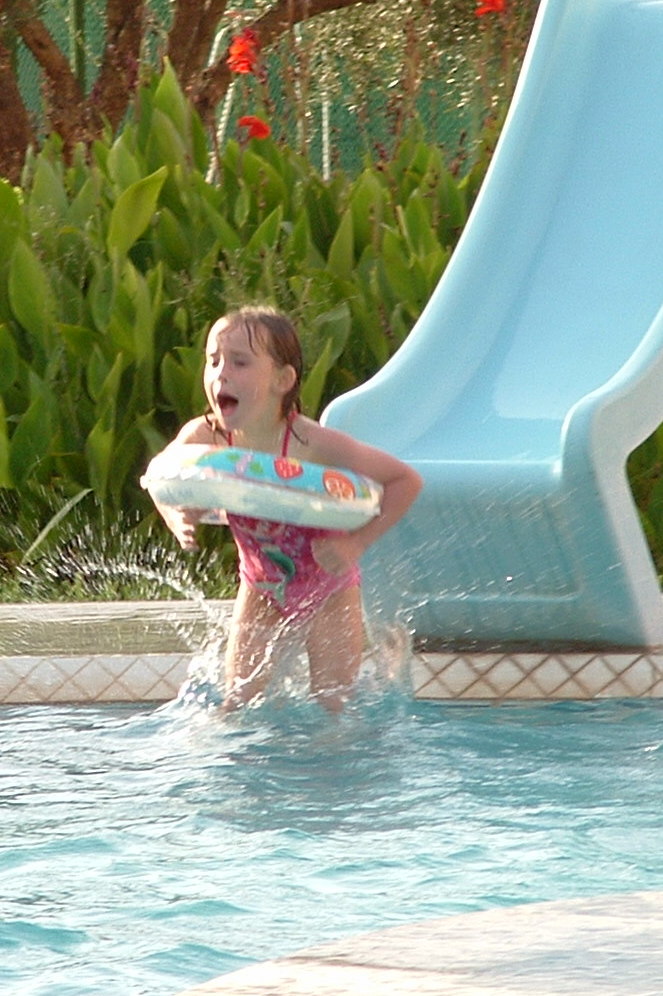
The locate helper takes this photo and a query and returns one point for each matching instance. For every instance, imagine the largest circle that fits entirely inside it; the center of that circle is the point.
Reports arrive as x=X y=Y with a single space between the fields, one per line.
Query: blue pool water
x=143 y=850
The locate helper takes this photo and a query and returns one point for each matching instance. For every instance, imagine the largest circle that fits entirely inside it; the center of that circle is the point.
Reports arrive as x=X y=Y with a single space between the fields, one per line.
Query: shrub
x=112 y=267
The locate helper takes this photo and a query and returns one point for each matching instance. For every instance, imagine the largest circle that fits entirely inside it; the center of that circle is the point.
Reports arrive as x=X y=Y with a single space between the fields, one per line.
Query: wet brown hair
x=272 y=331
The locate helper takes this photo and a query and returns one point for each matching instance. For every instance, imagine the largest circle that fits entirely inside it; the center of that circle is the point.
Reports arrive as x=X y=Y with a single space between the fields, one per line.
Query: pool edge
x=607 y=944
x=142 y=651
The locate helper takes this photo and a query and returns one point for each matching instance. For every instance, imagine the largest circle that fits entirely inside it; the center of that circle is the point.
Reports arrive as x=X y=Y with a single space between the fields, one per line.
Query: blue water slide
x=537 y=365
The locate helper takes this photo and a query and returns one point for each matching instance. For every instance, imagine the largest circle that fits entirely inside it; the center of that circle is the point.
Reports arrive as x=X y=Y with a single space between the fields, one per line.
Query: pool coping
x=608 y=944
x=87 y=652
x=103 y=652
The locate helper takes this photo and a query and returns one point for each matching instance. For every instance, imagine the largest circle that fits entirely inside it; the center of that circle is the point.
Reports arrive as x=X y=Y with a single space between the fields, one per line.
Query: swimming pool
x=144 y=849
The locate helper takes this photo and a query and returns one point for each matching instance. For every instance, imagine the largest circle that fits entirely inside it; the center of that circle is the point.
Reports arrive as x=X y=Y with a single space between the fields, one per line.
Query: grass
x=82 y=556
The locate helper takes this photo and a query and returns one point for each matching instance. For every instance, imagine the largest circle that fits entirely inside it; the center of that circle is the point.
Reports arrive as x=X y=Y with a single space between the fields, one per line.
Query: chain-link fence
x=344 y=85
x=79 y=29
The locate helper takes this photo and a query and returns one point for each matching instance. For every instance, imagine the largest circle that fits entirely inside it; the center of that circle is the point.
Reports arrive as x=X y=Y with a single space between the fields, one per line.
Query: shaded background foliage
x=114 y=267
x=140 y=213
x=134 y=212
x=343 y=78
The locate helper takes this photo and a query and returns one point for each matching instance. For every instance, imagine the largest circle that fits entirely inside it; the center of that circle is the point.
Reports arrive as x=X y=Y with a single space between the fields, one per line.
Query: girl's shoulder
x=317 y=443
x=199 y=430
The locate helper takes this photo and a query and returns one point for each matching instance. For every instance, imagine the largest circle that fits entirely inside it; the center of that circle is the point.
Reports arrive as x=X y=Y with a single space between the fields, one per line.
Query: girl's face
x=243 y=385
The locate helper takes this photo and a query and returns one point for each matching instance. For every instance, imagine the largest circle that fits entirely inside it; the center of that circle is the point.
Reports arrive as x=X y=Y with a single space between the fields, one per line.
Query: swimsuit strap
x=288 y=432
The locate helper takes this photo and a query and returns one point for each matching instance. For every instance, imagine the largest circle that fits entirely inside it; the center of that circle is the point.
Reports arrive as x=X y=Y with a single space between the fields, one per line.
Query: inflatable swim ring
x=261 y=485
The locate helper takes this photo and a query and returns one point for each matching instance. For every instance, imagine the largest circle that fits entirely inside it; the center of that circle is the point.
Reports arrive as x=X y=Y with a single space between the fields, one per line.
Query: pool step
x=609 y=945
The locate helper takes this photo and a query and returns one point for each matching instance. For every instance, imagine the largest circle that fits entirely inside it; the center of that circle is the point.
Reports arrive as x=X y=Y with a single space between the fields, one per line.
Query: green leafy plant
x=112 y=269
x=83 y=552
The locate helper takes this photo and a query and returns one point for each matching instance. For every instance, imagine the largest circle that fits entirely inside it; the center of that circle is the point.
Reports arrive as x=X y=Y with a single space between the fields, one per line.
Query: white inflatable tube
x=261 y=485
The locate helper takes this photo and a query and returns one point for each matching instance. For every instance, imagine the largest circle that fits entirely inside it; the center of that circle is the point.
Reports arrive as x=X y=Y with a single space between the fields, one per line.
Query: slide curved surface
x=537 y=365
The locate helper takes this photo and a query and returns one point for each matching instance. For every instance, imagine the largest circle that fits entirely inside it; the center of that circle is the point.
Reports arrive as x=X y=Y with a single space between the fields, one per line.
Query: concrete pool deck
x=612 y=945
x=141 y=652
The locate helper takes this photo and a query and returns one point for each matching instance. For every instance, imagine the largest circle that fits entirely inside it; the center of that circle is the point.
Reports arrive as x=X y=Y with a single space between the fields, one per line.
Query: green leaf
x=52 y=523
x=433 y=266
x=80 y=341
x=314 y=383
x=10 y=219
x=97 y=370
x=395 y=266
x=266 y=234
x=266 y=185
x=336 y=325
x=415 y=222
x=47 y=199
x=156 y=441
x=99 y=447
x=242 y=207
x=169 y=99
x=658 y=441
x=30 y=294
x=320 y=202
x=367 y=316
x=109 y=398
x=654 y=509
x=101 y=295
x=31 y=440
x=199 y=143
x=122 y=165
x=341 y=259
x=180 y=380
x=299 y=245
x=135 y=301
x=333 y=327
x=128 y=449
x=400 y=324
x=6 y=480
x=452 y=208
x=176 y=247
x=133 y=211
x=368 y=200
x=225 y=233
x=154 y=280
x=8 y=359
x=165 y=144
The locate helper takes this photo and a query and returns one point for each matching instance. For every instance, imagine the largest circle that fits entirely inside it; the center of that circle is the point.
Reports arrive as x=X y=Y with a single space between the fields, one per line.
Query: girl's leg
x=335 y=642
x=255 y=629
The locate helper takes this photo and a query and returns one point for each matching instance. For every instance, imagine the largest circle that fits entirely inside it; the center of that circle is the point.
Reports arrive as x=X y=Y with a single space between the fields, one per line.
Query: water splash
x=384 y=669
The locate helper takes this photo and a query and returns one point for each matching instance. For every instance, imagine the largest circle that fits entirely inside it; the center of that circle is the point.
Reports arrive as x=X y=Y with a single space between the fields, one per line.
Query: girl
x=252 y=377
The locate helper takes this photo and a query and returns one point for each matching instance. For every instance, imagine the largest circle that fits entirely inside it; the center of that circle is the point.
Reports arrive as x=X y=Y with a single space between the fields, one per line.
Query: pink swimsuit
x=275 y=558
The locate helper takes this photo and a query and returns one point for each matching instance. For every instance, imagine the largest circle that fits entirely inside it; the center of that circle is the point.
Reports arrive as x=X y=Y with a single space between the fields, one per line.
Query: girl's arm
x=182 y=522
x=401 y=484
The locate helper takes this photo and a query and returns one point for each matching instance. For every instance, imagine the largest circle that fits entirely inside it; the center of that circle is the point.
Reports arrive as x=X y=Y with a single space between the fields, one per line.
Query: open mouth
x=227 y=404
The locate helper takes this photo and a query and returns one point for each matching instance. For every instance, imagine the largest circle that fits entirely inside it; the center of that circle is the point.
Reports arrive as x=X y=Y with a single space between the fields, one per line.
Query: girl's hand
x=338 y=553
x=182 y=523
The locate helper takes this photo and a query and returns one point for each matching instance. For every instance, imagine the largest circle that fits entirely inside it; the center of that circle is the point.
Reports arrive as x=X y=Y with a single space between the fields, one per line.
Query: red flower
x=243 y=52
x=490 y=7
x=257 y=127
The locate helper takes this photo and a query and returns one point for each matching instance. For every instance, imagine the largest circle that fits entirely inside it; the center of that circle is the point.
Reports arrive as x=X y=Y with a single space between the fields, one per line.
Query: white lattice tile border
x=96 y=678
x=541 y=676
x=92 y=678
